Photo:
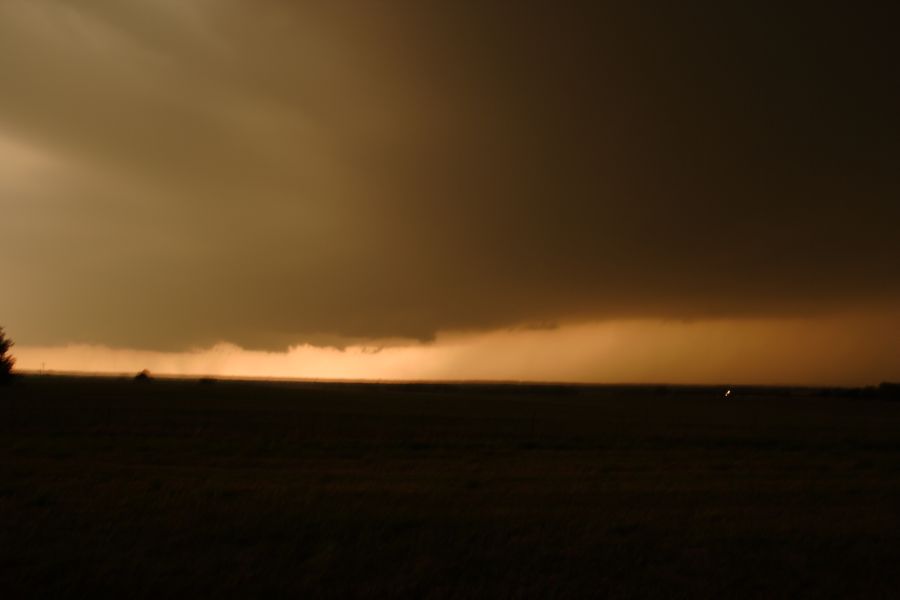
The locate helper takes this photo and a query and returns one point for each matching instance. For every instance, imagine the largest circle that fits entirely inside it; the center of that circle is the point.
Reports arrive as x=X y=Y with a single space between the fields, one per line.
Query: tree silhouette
x=6 y=359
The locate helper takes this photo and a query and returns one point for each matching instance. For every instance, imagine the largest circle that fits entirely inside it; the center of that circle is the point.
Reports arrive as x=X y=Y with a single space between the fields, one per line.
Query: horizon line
x=389 y=381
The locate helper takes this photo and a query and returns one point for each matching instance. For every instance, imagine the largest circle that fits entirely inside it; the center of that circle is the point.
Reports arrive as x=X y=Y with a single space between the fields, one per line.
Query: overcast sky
x=179 y=174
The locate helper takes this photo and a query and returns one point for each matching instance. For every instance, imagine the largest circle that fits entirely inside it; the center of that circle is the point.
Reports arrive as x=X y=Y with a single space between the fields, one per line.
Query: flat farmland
x=445 y=490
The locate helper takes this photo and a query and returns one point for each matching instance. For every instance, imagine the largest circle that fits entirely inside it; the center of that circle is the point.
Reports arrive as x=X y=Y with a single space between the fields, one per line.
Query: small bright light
x=727 y=393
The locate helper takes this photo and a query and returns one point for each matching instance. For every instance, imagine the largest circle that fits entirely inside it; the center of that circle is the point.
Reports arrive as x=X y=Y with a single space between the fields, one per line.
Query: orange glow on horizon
x=825 y=351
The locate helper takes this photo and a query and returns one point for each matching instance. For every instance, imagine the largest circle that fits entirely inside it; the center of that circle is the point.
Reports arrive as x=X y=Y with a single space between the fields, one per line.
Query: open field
x=337 y=490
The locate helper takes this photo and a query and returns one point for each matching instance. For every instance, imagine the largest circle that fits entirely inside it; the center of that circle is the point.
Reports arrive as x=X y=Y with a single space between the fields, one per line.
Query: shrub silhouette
x=6 y=359
x=143 y=376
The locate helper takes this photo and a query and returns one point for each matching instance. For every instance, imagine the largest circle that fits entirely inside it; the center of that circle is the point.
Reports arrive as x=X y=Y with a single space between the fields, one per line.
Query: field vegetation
x=435 y=491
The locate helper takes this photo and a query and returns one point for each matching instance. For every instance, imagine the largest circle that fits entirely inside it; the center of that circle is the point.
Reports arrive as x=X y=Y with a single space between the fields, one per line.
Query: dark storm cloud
x=268 y=173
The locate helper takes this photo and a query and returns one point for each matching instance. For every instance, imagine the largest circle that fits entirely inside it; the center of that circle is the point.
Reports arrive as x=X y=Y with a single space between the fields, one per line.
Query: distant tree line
x=886 y=390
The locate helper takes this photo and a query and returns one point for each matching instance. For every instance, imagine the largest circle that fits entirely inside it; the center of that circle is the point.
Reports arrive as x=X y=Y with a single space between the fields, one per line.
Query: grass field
x=434 y=491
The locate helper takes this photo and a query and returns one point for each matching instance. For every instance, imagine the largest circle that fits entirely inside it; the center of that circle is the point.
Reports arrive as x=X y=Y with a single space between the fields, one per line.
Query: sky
x=599 y=191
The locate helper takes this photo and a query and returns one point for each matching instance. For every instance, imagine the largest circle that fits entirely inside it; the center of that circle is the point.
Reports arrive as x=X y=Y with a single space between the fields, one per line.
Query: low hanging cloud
x=837 y=350
x=174 y=175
